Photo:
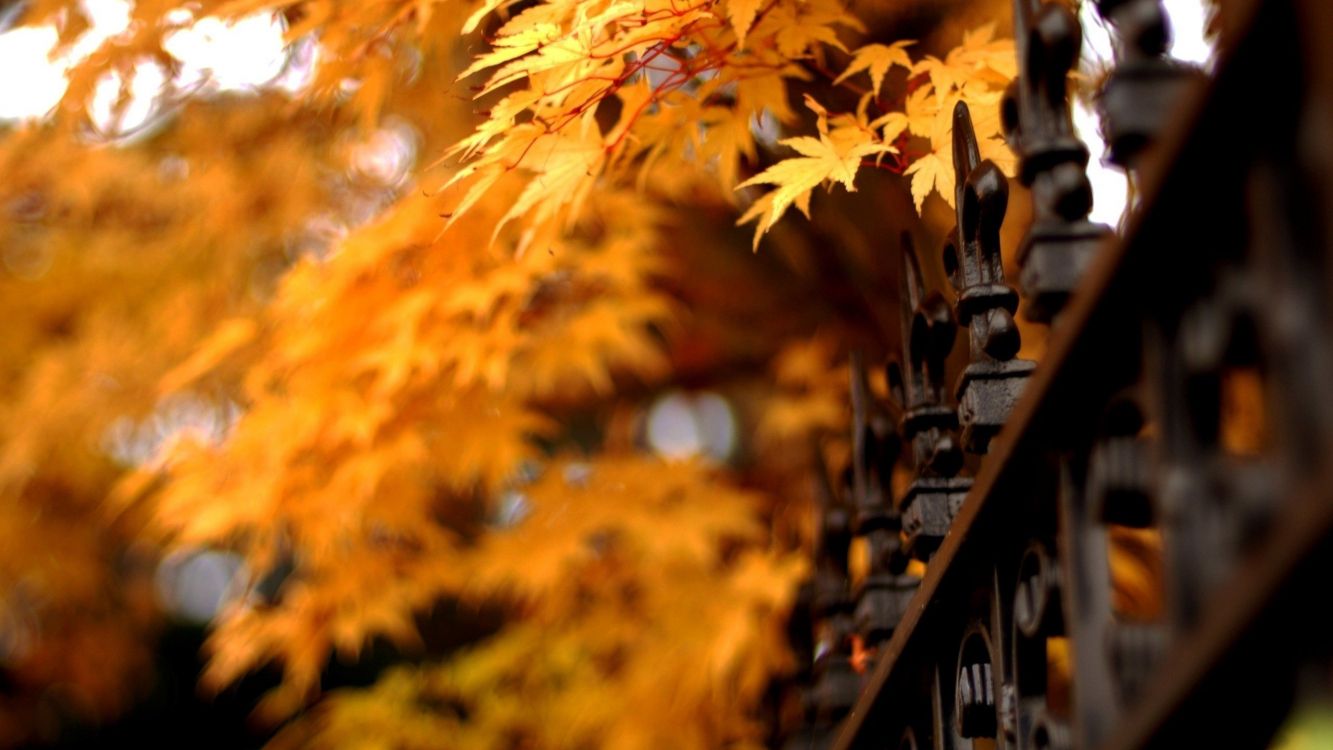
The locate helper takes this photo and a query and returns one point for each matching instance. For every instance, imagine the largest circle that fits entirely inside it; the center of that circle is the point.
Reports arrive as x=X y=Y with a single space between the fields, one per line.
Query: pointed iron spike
x=966 y=153
x=909 y=299
x=928 y=332
x=992 y=381
x=920 y=325
x=938 y=317
x=984 y=199
x=1145 y=85
x=1052 y=160
x=911 y=289
x=860 y=391
x=893 y=372
x=991 y=189
x=1011 y=115
x=891 y=413
x=952 y=256
x=824 y=497
x=832 y=522
x=1023 y=12
x=1061 y=37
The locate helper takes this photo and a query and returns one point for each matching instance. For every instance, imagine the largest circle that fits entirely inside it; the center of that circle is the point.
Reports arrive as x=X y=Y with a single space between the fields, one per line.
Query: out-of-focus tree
x=412 y=330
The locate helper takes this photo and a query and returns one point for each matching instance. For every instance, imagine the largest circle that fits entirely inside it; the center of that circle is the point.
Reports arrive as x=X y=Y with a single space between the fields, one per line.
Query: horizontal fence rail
x=1140 y=555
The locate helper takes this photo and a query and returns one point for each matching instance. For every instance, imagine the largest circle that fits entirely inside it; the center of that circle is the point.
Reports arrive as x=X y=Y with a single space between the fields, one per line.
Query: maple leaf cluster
x=689 y=82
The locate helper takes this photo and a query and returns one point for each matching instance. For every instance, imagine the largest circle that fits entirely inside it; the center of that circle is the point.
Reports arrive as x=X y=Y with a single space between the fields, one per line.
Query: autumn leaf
x=834 y=157
x=821 y=161
x=486 y=8
x=931 y=172
x=741 y=14
x=877 y=59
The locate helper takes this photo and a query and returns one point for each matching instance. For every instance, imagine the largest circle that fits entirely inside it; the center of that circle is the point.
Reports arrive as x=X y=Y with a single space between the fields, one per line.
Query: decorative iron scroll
x=1143 y=544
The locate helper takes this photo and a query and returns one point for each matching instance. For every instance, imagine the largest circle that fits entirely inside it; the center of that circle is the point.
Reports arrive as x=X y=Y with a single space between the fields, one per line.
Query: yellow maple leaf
x=801 y=25
x=513 y=46
x=877 y=59
x=485 y=9
x=934 y=170
x=890 y=125
x=920 y=109
x=821 y=161
x=834 y=157
x=741 y=14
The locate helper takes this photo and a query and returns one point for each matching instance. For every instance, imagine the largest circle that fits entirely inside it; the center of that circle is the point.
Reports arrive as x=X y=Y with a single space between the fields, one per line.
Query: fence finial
x=1146 y=85
x=1052 y=160
x=882 y=599
x=929 y=423
x=986 y=304
x=836 y=685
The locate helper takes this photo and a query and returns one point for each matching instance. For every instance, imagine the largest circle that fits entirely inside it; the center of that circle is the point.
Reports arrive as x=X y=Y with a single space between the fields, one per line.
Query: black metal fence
x=1179 y=426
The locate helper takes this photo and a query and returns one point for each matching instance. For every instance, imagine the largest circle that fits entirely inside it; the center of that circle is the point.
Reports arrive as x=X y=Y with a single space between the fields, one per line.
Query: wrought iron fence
x=1122 y=443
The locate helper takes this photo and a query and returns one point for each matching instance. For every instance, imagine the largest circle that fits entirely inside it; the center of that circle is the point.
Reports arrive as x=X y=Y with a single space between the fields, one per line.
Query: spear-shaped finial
x=886 y=590
x=1146 y=85
x=929 y=423
x=836 y=684
x=1052 y=160
x=986 y=303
